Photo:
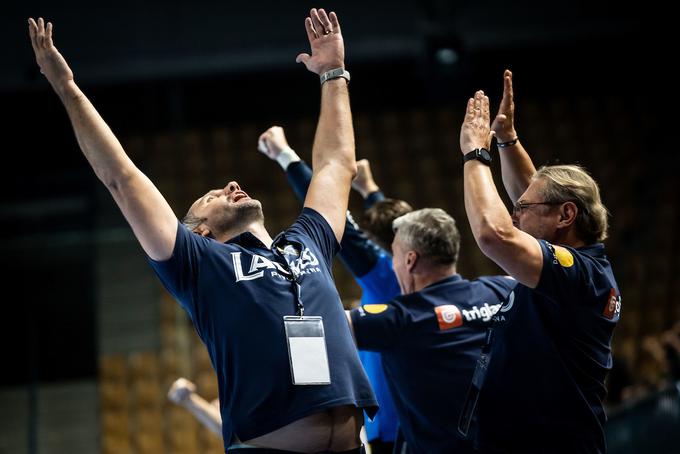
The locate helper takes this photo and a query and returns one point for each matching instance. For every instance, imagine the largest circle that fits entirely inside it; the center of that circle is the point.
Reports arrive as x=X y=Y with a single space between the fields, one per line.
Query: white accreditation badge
x=307 y=350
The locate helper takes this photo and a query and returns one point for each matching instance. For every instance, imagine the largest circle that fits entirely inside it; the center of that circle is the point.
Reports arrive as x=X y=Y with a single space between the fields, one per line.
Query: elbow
x=493 y=237
x=352 y=168
x=346 y=165
x=115 y=181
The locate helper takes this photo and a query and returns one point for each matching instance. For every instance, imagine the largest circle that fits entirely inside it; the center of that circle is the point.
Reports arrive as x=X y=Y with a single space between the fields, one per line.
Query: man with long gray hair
x=548 y=360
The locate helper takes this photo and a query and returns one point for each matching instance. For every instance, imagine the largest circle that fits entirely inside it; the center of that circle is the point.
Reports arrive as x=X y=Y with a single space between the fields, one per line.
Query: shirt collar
x=446 y=280
x=246 y=239
x=594 y=250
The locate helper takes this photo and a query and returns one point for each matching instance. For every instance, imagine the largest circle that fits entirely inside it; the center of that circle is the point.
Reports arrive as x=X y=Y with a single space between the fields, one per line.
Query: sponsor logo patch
x=375 y=308
x=448 y=316
x=613 y=307
x=563 y=256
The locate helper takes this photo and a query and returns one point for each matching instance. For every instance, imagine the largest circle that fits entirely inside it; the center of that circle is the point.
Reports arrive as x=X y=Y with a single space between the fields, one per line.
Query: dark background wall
x=171 y=67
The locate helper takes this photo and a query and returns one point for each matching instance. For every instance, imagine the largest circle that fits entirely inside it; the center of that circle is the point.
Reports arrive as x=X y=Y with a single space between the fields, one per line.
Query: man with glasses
x=542 y=383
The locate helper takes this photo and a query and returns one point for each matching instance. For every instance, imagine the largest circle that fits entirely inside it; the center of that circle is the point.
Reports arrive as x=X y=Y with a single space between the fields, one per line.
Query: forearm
x=206 y=413
x=334 y=139
x=97 y=142
x=488 y=217
x=516 y=169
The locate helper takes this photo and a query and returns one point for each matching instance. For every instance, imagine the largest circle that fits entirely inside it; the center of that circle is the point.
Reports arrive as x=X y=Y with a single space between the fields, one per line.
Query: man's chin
x=250 y=209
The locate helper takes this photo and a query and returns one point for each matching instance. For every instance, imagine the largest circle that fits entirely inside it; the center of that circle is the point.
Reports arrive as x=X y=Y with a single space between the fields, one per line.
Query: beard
x=240 y=215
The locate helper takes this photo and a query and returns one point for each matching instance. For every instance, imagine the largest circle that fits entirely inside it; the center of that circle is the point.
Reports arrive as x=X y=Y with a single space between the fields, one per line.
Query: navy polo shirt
x=545 y=384
x=430 y=341
x=236 y=294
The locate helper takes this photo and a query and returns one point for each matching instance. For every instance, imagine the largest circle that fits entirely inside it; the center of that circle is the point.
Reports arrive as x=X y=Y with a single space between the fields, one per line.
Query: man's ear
x=411 y=260
x=203 y=230
x=568 y=212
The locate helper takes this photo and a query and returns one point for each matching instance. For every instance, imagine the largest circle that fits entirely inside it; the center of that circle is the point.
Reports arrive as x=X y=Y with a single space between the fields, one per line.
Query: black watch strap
x=480 y=154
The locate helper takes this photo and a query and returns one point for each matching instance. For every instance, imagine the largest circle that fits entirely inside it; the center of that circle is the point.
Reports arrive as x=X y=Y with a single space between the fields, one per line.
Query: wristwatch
x=480 y=154
x=334 y=74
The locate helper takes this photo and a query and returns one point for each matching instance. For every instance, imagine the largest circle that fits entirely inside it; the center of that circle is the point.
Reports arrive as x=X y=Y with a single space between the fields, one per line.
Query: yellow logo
x=375 y=308
x=564 y=256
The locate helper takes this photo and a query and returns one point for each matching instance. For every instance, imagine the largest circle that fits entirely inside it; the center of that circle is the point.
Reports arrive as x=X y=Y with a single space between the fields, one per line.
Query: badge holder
x=307 y=350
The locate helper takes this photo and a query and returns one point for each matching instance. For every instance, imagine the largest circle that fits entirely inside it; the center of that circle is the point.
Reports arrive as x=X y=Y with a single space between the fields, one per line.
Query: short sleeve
x=502 y=286
x=379 y=327
x=312 y=224
x=563 y=273
x=179 y=273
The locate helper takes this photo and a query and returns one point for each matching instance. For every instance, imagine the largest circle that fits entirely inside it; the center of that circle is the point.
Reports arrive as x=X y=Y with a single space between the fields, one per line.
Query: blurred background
x=91 y=342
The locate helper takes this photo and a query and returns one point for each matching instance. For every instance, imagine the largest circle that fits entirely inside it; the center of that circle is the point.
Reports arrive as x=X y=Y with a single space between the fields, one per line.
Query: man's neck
x=433 y=274
x=568 y=238
x=256 y=228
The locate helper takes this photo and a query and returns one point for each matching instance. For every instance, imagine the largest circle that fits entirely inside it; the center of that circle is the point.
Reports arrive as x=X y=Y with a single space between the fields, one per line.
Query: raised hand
x=52 y=64
x=272 y=142
x=364 y=183
x=325 y=39
x=504 y=123
x=476 y=132
x=180 y=390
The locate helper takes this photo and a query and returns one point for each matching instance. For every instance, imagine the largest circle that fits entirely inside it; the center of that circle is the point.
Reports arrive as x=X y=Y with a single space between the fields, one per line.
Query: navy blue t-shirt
x=545 y=384
x=430 y=341
x=236 y=295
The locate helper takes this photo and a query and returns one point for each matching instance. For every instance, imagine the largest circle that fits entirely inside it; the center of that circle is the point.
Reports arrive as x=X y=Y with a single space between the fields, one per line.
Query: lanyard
x=469 y=406
x=279 y=247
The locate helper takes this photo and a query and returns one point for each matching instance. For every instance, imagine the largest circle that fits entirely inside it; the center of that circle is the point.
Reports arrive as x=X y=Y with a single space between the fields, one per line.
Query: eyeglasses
x=519 y=206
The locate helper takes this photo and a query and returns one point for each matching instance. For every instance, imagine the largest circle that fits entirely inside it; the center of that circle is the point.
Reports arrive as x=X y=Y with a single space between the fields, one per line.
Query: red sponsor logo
x=613 y=306
x=448 y=316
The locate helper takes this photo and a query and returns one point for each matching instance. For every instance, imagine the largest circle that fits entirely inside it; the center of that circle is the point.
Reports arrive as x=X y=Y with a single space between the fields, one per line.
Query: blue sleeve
x=179 y=273
x=379 y=327
x=299 y=176
x=358 y=253
x=312 y=224
x=380 y=283
x=372 y=198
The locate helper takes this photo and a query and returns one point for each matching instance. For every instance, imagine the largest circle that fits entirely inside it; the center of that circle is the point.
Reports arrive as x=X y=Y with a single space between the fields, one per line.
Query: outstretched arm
x=149 y=215
x=333 y=160
x=517 y=252
x=358 y=253
x=516 y=166
x=183 y=393
x=365 y=185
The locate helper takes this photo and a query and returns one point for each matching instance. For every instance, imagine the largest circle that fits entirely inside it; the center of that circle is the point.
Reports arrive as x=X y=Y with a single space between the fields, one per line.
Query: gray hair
x=432 y=233
x=191 y=221
x=572 y=183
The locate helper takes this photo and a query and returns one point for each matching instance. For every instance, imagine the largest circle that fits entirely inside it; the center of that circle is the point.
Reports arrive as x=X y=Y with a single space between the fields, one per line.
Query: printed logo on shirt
x=448 y=316
x=563 y=256
x=375 y=308
x=305 y=264
x=613 y=307
x=483 y=313
x=511 y=301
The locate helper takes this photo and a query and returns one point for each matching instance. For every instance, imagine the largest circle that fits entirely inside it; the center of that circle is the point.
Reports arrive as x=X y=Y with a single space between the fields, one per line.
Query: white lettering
x=305 y=264
x=485 y=312
x=260 y=262
x=236 y=258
